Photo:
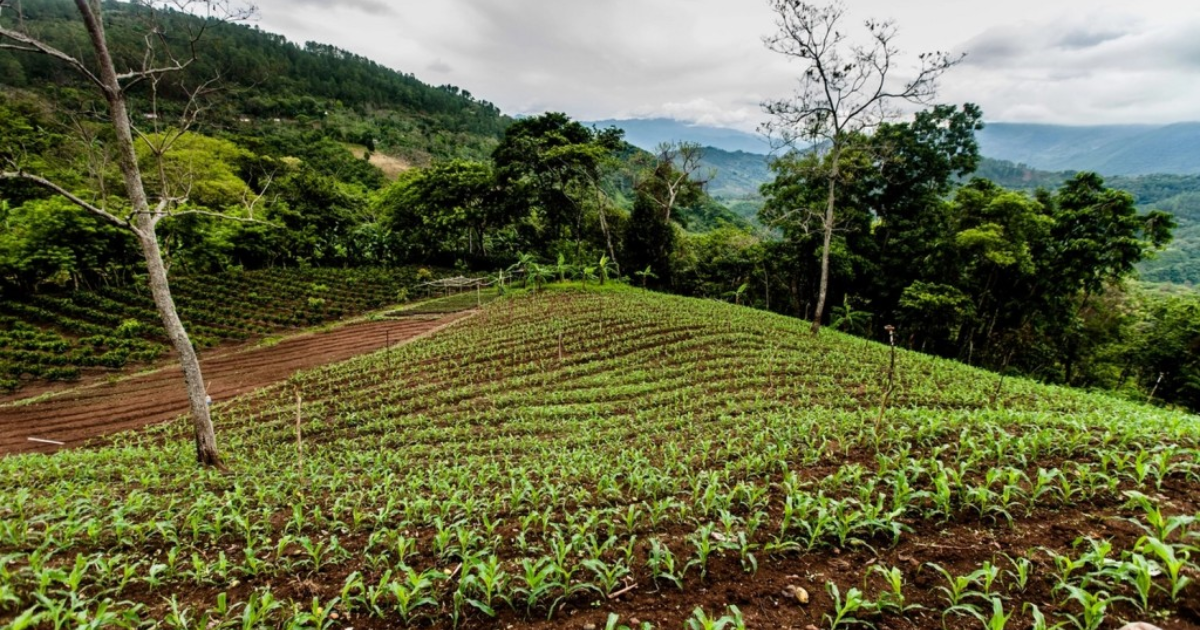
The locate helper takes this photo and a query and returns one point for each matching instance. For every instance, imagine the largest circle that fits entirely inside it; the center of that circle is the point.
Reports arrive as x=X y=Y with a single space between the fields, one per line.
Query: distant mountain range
x=1108 y=149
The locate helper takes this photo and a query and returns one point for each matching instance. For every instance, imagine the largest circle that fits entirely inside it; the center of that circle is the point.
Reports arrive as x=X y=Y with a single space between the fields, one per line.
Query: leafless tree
x=142 y=216
x=679 y=163
x=848 y=87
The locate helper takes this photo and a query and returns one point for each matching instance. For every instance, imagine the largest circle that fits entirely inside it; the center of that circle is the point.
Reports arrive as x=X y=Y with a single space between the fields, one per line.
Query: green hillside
x=575 y=453
x=1178 y=195
x=266 y=81
x=737 y=175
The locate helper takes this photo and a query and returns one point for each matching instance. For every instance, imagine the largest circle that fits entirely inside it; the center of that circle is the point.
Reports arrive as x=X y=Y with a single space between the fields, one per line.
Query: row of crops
x=56 y=337
x=596 y=456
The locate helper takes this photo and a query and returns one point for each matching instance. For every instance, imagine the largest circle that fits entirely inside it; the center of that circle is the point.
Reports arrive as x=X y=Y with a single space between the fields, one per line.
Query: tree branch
x=219 y=215
x=73 y=198
x=30 y=44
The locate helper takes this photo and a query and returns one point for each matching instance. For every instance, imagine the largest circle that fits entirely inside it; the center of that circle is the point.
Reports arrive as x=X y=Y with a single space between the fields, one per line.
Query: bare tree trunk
x=206 y=441
x=612 y=254
x=823 y=289
x=144 y=223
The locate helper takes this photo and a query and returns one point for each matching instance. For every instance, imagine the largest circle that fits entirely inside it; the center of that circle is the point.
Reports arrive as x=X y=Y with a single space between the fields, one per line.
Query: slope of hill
x=736 y=174
x=266 y=79
x=571 y=454
x=1108 y=150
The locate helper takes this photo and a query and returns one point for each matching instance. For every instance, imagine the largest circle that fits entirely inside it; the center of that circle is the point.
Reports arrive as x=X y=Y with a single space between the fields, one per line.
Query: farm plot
x=587 y=457
x=46 y=338
x=78 y=415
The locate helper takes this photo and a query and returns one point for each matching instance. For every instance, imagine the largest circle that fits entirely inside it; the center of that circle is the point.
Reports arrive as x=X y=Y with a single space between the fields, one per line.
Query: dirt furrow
x=74 y=416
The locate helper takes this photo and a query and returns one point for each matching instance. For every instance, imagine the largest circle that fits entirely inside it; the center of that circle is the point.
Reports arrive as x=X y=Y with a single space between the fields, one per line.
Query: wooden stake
x=299 y=442
x=887 y=391
x=1155 y=389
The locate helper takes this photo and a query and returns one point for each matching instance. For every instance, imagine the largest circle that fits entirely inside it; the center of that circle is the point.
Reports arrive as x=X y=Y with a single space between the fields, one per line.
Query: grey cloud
x=1078 y=39
x=370 y=7
x=1070 y=60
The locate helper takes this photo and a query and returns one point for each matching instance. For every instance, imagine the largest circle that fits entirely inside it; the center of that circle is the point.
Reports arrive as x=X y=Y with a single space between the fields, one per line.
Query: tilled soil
x=81 y=413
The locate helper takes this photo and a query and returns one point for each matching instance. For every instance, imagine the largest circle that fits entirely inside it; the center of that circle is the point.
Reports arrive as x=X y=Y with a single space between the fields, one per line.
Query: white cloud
x=1078 y=61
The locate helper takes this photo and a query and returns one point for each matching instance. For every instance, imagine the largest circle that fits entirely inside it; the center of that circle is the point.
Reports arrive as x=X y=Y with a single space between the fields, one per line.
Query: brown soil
x=77 y=414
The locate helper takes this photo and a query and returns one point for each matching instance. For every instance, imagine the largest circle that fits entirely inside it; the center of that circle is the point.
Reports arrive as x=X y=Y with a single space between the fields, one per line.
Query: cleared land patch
x=104 y=408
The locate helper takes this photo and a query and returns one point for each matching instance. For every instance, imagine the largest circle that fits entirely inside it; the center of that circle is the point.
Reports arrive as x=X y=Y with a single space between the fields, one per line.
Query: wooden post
x=1155 y=389
x=299 y=441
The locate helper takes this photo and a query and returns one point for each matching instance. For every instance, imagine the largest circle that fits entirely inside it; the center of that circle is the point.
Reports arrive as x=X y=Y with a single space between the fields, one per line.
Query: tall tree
x=553 y=164
x=159 y=59
x=795 y=204
x=446 y=208
x=846 y=88
x=665 y=187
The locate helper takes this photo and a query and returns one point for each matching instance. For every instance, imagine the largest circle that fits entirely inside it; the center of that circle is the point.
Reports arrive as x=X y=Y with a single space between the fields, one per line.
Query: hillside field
x=608 y=457
x=47 y=337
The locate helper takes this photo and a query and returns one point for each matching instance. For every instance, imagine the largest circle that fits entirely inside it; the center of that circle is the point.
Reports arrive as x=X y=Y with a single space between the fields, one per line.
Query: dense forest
x=257 y=81
x=1177 y=195
x=1037 y=280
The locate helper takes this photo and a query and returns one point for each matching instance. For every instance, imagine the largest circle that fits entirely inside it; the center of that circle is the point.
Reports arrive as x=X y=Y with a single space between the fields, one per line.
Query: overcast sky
x=1055 y=61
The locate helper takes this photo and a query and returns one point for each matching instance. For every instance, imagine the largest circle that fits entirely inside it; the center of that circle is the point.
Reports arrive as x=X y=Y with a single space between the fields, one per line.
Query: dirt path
x=87 y=412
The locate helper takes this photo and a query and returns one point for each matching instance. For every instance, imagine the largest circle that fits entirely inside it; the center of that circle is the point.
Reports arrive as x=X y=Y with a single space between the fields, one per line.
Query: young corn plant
x=998 y=620
x=541 y=585
x=1019 y=576
x=484 y=584
x=1039 y=619
x=732 y=619
x=958 y=590
x=702 y=540
x=1139 y=571
x=1093 y=606
x=846 y=611
x=892 y=600
x=663 y=564
x=1172 y=564
x=415 y=591
x=608 y=575
x=1157 y=524
x=318 y=616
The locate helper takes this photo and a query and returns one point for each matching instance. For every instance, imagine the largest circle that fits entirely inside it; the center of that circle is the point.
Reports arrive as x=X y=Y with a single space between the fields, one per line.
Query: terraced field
x=616 y=458
x=72 y=417
x=50 y=338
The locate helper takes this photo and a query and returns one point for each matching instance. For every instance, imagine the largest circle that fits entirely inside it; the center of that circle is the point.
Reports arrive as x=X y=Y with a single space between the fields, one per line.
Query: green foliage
x=354 y=98
x=547 y=167
x=448 y=208
x=53 y=241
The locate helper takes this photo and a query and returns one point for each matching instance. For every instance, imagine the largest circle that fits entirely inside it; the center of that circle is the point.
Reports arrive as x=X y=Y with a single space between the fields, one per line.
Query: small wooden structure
x=445 y=287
